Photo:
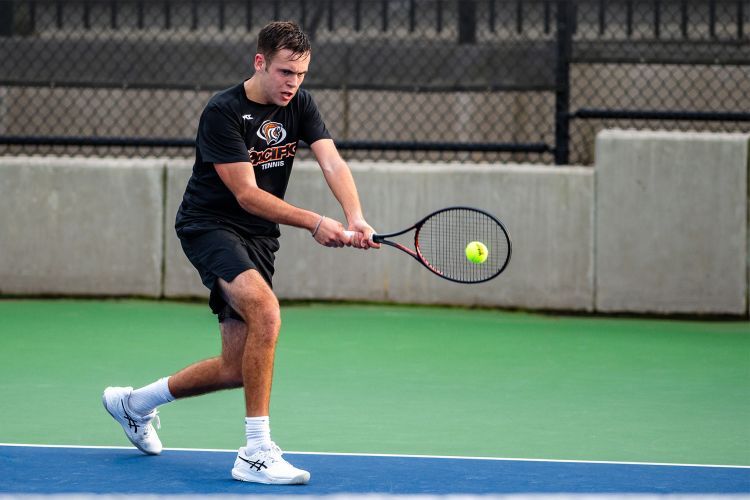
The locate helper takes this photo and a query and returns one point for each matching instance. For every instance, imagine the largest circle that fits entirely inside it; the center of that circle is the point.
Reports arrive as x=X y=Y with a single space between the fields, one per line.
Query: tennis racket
x=441 y=240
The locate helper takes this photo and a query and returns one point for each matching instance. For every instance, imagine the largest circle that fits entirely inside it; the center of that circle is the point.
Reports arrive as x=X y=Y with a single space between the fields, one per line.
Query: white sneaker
x=138 y=428
x=267 y=467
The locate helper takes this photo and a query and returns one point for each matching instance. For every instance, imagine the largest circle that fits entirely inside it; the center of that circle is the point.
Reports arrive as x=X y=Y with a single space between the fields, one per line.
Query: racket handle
x=351 y=234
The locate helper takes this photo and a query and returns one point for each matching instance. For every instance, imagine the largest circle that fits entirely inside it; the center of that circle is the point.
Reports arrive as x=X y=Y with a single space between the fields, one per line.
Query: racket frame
x=416 y=253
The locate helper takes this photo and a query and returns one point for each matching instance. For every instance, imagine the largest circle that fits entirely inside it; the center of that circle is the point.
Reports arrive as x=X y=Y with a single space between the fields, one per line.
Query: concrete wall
x=80 y=226
x=660 y=226
x=671 y=219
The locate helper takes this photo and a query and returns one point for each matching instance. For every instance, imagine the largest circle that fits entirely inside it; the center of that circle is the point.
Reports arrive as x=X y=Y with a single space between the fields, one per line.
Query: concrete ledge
x=671 y=222
x=80 y=226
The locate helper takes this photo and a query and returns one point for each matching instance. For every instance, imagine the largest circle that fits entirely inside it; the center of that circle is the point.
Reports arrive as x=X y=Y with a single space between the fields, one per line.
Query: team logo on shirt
x=272 y=132
x=272 y=157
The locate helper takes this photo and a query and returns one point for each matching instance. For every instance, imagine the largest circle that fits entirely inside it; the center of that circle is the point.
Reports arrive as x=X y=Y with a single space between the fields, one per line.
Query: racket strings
x=443 y=238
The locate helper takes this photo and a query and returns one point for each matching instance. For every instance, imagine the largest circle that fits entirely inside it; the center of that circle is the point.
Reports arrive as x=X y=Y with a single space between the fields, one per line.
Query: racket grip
x=351 y=234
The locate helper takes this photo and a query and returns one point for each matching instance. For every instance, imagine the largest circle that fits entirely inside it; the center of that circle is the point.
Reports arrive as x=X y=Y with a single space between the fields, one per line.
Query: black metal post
x=384 y=15
x=358 y=16
x=412 y=16
x=740 y=21
x=562 y=80
x=467 y=21
x=141 y=14
x=629 y=17
x=6 y=18
x=113 y=15
x=519 y=16
x=87 y=15
x=439 y=16
x=167 y=14
x=657 y=19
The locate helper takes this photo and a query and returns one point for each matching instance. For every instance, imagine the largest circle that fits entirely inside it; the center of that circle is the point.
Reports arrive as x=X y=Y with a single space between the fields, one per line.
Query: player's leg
x=253 y=299
x=136 y=409
x=214 y=374
x=260 y=460
x=213 y=253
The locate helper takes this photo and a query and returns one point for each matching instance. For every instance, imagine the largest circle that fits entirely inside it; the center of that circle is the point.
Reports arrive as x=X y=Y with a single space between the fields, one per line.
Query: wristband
x=317 y=226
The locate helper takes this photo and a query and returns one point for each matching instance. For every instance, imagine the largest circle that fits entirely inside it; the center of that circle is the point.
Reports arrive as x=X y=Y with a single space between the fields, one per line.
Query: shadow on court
x=48 y=470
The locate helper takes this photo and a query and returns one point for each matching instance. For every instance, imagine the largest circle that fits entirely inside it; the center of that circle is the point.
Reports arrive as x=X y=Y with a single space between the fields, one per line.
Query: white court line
x=385 y=496
x=388 y=455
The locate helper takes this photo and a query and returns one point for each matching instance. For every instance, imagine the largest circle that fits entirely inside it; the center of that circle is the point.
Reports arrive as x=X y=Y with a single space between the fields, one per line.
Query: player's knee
x=265 y=317
x=270 y=325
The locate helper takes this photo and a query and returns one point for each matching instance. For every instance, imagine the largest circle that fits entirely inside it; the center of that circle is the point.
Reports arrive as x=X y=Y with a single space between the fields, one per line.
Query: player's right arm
x=240 y=179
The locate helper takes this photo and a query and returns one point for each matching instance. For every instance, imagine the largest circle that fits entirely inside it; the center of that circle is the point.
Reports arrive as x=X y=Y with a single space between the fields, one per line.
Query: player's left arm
x=340 y=180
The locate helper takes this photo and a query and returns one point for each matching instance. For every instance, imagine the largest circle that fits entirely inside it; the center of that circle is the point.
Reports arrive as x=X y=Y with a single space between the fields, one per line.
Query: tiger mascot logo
x=271 y=132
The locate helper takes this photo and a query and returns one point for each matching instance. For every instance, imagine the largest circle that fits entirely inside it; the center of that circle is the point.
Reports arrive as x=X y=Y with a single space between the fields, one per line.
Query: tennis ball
x=476 y=252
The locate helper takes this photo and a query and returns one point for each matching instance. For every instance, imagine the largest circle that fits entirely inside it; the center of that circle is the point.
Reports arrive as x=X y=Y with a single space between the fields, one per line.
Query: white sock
x=258 y=434
x=145 y=400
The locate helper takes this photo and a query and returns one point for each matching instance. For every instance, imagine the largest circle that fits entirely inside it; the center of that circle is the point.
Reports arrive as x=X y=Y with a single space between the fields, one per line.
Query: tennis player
x=228 y=224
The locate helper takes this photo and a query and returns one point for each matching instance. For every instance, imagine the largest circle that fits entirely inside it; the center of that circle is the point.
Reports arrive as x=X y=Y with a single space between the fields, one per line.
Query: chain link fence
x=668 y=65
x=455 y=80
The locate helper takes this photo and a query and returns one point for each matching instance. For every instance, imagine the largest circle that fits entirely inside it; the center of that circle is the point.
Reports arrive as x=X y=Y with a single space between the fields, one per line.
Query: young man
x=228 y=224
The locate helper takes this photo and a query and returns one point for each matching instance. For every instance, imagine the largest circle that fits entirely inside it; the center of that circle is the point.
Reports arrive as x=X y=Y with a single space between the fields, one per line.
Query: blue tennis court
x=99 y=470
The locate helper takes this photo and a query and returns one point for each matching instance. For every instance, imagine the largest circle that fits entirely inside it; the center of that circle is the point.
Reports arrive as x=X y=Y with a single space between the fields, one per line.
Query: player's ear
x=259 y=63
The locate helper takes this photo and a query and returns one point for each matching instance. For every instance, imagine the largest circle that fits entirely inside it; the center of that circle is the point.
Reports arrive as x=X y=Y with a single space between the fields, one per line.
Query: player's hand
x=330 y=233
x=362 y=235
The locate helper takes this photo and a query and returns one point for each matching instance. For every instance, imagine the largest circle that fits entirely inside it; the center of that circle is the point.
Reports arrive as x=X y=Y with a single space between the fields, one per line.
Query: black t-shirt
x=233 y=129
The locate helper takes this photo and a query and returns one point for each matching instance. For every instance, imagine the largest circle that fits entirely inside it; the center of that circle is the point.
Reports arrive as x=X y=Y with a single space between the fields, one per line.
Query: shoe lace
x=157 y=420
x=151 y=418
x=275 y=452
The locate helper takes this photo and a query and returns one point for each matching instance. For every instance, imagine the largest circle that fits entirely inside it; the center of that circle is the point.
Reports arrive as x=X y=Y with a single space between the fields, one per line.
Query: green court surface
x=390 y=379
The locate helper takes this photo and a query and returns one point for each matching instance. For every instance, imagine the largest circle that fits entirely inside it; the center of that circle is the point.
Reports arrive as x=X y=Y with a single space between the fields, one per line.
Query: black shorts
x=222 y=253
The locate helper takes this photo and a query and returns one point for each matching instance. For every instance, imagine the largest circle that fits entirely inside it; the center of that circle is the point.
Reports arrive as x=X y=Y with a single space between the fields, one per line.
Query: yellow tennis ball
x=476 y=252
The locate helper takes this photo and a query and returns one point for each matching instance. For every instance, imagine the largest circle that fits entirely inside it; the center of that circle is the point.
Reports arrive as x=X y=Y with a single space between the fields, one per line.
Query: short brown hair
x=280 y=35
